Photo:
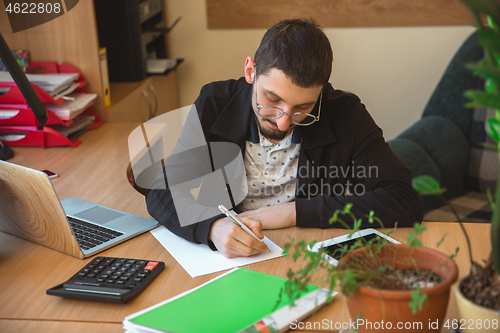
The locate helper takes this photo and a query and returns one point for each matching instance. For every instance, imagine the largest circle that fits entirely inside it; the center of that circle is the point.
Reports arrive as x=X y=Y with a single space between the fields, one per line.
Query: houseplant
x=383 y=282
x=478 y=293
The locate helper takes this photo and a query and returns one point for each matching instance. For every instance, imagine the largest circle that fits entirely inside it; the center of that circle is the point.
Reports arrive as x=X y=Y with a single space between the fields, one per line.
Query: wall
x=392 y=70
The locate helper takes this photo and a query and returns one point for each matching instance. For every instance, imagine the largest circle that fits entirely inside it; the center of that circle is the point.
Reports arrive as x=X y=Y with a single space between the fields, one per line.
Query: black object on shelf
x=131 y=31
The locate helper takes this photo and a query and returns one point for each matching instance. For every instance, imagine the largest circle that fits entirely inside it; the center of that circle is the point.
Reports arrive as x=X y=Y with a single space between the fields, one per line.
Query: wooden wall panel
x=71 y=38
x=235 y=14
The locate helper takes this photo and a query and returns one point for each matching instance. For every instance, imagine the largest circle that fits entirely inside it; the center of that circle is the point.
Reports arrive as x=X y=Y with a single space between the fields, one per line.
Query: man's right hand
x=232 y=241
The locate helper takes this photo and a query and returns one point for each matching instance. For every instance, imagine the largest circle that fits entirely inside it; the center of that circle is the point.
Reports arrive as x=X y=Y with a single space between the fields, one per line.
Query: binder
x=241 y=300
x=104 y=76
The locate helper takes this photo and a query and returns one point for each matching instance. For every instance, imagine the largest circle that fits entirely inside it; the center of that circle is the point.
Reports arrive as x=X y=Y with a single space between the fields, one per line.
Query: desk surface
x=96 y=171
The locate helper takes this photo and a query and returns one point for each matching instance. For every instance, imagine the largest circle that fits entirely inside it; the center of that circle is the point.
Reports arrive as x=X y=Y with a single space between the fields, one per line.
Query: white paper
x=159 y=66
x=199 y=259
x=47 y=82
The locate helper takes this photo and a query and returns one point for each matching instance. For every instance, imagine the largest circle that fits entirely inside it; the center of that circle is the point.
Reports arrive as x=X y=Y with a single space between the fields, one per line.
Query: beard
x=270 y=133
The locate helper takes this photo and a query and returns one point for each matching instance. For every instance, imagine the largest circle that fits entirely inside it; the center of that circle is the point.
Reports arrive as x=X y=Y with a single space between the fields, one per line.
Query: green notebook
x=241 y=300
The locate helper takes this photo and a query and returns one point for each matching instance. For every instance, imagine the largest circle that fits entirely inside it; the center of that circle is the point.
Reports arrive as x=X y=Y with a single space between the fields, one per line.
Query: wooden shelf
x=73 y=38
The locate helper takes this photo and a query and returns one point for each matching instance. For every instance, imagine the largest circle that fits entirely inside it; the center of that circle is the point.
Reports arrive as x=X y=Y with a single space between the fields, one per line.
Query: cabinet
x=143 y=100
x=73 y=38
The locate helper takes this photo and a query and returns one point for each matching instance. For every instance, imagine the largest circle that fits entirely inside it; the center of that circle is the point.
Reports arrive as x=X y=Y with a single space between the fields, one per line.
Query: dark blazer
x=345 y=145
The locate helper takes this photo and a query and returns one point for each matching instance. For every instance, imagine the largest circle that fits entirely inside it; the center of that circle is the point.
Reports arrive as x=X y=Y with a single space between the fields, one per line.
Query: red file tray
x=51 y=67
x=25 y=117
x=97 y=122
x=47 y=137
x=14 y=95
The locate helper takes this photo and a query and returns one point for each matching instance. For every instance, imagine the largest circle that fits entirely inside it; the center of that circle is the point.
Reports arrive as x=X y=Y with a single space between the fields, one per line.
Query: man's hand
x=273 y=217
x=232 y=241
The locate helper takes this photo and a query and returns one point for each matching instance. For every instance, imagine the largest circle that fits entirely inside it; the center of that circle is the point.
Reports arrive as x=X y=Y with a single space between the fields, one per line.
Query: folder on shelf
x=52 y=83
x=241 y=300
x=71 y=108
x=22 y=115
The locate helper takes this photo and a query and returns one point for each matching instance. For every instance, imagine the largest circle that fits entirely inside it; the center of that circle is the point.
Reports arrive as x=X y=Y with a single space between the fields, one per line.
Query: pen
x=239 y=223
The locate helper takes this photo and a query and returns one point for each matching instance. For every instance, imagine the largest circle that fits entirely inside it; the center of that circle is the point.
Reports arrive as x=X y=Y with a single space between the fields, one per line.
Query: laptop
x=30 y=209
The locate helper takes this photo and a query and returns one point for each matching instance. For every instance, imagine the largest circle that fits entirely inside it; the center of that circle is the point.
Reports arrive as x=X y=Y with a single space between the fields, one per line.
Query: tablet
x=331 y=245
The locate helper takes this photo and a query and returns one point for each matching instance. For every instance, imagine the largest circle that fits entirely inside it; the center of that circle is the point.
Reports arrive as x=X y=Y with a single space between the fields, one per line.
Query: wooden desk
x=96 y=171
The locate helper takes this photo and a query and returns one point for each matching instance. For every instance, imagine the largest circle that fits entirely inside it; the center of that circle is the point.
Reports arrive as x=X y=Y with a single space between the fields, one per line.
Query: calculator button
x=97 y=260
x=130 y=261
x=120 y=282
x=108 y=261
x=141 y=275
x=110 y=281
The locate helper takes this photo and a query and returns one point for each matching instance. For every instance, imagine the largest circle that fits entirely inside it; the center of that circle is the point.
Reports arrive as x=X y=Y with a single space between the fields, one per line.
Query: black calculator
x=109 y=279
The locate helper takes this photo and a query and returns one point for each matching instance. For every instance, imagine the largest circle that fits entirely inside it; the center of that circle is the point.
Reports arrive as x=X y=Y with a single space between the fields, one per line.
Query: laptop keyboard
x=89 y=235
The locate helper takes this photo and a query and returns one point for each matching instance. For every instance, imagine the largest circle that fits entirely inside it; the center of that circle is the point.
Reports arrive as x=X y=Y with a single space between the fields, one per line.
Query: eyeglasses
x=298 y=118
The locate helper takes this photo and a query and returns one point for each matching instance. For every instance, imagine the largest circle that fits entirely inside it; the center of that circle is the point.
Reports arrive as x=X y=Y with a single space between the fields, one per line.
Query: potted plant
x=478 y=293
x=386 y=284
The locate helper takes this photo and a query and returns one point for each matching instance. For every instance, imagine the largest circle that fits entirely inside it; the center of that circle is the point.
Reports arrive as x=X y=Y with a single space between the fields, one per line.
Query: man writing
x=308 y=149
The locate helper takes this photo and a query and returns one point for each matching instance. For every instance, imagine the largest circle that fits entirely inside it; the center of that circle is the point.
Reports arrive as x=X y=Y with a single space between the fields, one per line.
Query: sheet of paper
x=198 y=259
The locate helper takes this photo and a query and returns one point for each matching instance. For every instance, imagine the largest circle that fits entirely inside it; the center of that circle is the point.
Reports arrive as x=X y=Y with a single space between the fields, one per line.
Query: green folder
x=230 y=303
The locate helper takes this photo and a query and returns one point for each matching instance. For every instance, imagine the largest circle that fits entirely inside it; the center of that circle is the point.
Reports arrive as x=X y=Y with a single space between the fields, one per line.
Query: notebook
x=240 y=300
x=30 y=209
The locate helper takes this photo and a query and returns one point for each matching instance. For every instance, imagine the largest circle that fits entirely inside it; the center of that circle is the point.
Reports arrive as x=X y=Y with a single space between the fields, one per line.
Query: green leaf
x=493 y=128
x=490 y=145
x=417 y=301
x=488 y=38
x=413 y=240
x=486 y=71
x=357 y=224
x=370 y=216
x=347 y=208
x=482 y=99
x=419 y=228
x=427 y=185
x=442 y=239
x=334 y=217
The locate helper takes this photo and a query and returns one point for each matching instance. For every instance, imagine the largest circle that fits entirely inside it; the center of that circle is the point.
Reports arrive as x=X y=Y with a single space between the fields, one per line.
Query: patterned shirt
x=271 y=171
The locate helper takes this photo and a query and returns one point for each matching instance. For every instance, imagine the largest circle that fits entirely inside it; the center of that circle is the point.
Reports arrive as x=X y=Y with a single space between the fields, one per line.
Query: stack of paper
x=54 y=84
x=75 y=104
x=79 y=124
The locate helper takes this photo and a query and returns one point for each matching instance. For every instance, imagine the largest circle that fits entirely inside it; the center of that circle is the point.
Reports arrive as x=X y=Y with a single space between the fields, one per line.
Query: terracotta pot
x=389 y=310
x=473 y=317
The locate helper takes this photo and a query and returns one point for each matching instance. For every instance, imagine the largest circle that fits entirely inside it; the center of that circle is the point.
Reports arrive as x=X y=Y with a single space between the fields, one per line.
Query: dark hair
x=300 y=49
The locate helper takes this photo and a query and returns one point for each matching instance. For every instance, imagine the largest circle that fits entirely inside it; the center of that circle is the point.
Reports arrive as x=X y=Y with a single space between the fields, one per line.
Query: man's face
x=275 y=89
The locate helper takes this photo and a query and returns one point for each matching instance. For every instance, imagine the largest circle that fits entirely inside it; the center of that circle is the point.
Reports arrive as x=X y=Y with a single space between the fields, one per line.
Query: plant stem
x=448 y=203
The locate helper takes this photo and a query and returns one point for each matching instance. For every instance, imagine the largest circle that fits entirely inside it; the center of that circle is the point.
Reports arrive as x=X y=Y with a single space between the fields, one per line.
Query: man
x=308 y=149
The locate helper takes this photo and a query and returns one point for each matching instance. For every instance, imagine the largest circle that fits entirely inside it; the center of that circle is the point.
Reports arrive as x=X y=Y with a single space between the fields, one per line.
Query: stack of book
x=68 y=106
